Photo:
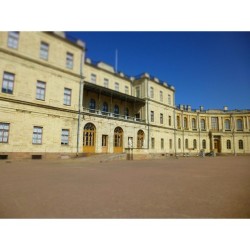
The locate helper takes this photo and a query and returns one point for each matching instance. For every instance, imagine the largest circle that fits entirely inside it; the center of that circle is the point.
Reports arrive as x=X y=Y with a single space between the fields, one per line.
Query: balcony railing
x=112 y=115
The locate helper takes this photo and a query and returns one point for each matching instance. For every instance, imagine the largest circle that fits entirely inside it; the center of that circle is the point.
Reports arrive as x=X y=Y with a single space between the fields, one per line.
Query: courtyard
x=188 y=187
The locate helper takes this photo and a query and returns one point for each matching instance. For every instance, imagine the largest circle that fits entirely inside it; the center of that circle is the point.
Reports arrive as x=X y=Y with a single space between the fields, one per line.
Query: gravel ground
x=188 y=187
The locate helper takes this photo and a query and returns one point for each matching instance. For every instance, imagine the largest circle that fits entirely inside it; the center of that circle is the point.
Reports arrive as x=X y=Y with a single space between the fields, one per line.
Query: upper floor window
x=227 y=124
x=203 y=124
x=67 y=96
x=37 y=135
x=69 y=60
x=178 y=122
x=116 y=86
x=193 y=123
x=137 y=91
x=161 y=96
x=126 y=112
x=126 y=90
x=185 y=123
x=169 y=99
x=8 y=83
x=44 y=50
x=214 y=123
x=13 y=38
x=4 y=132
x=40 y=90
x=151 y=92
x=65 y=137
x=116 y=110
x=92 y=105
x=169 y=120
x=241 y=146
x=161 y=118
x=106 y=82
x=152 y=116
x=93 y=78
x=239 y=125
x=105 y=108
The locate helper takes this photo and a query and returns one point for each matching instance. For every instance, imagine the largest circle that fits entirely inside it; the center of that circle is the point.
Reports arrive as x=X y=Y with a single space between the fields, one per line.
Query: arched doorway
x=140 y=139
x=89 y=133
x=118 y=140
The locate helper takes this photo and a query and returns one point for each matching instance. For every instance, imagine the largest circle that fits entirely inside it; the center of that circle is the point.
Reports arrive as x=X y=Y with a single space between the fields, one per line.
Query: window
x=106 y=83
x=179 y=143
x=126 y=112
x=105 y=108
x=152 y=116
x=228 y=144
x=178 y=122
x=152 y=143
x=203 y=124
x=137 y=117
x=116 y=110
x=161 y=118
x=67 y=97
x=169 y=120
x=44 y=50
x=161 y=96
x=140 y=139
x=4 y=132
x=227 y=124
x=214 y=123
x=137 y=91
x=185 y=123
x=93 y=78
x=37 y=135
x=65 y=137
x=194 y=144
x=104 y=140
x=116 y=86
x=239 y=125
x=241 y=144
x=194 y=124
x=8 y=83
x=162 y=143
x=40 y=90
x=186 y=143
x=151 y=92
x=13 y=38
x=204 y=144
x=169 y=99
x=170 y=143
x=126 y=90
x=92 y=105
x=69 y=60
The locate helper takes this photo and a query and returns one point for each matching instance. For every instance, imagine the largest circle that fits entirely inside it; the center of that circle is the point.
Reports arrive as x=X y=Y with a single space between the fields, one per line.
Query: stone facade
x=55 y=103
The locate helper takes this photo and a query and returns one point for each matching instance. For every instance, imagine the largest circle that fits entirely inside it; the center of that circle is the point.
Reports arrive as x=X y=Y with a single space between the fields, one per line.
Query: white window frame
x=40 y=90
x=4 y=132
x=65 y=137
x=106 y=82
x=13 y=39
x=116 y=86
x=44 y=50
x=8 y=82
x=69 y=60
x=126 y=90
x=93 y=78
x=67 y=96
x=161 y=96
x=37 y=135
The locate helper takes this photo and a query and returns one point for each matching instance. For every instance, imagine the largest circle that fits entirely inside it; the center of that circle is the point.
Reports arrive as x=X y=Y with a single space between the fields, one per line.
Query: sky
x=210 y=69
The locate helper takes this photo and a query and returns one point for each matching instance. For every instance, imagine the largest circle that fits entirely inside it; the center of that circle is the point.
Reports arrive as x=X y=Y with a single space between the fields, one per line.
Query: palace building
x=56 y=103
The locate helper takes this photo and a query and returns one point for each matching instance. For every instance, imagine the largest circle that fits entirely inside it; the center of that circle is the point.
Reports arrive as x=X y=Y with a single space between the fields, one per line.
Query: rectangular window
x=13 y=38
x=37 y=135
x=40 y=90
x=170 y=144
x=152 y=116
x=137 y=91
x=44 y=50
x=117 y=86
x=69 y=60
x=8 y=83
x=169 y=120
x=151 y=92
x=93 y=78
x=152 y=143
x=161 y=118
x=106 y=82
x=169 y=99
x=67 y=97
x=214 y=123
x=161 y=96
x=126 y=90
x=4 y=132
x=65 y=137
x=162 y=143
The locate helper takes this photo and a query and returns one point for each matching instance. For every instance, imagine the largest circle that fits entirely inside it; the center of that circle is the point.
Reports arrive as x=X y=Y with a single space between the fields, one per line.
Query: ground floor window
x=179 y=143
x=170 y=143
x=152 y=143
x=65 y=137
x=4 y=132
x=37 y=135
x=241 y=144
x=228 y=144
x=194 y=144
x=186 y=143
x=162 y=143
x=204 y=144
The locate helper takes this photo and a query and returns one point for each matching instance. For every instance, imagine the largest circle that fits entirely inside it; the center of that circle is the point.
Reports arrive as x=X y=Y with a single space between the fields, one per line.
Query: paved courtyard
x=189 y=187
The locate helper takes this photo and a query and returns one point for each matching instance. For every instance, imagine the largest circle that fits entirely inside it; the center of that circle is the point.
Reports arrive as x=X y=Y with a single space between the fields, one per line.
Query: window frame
x=117 y=86
x=3 y=132
x=93 y=78
x=44 y=51
x=42 y=89
x=15 y=36
x=35 y=134
x=63 y=136
x=152 y=116
x=161 y=118
x=69 y=60
x=67 y=97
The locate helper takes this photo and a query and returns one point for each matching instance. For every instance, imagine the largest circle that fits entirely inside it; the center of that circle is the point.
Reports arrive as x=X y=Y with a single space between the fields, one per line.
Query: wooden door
x=89 y=134
x=118 y=140
x=105 y=143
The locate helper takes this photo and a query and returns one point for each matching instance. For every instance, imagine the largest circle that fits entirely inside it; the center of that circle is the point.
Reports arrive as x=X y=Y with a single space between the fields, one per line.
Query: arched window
x=118 y=137
x=186 y=143
x=89 y=137
x=92 y=105
x=116 y=110
x=239 y=125
x=140 y=139
x=194 y=144
x=203 y=124
x=185 y=123
x=179 y=143
x=228 y=144
x=204 y=144
x=227 y=124
x=193 y=123
x=105 y=108
x=241 y=146
x=178 y=122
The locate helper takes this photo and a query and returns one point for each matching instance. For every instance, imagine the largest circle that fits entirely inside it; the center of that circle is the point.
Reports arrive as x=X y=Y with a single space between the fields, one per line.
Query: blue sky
x=206 y=68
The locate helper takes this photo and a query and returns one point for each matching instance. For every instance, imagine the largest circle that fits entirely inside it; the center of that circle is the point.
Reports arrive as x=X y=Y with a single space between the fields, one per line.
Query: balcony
x=110 y=115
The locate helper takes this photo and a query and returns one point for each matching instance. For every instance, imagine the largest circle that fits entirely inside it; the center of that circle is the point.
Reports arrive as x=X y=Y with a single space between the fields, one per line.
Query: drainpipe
x=80 y=103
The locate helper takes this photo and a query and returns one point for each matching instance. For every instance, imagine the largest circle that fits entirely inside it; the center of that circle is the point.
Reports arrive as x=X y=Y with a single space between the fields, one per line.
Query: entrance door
x=105 y=143
x=118 y=140
x=217 y=146
x=89 y=133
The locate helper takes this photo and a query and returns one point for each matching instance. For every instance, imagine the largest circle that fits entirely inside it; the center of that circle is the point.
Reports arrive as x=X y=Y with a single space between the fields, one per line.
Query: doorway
x=105 y=143
x=118 y=140
x=89 y=133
